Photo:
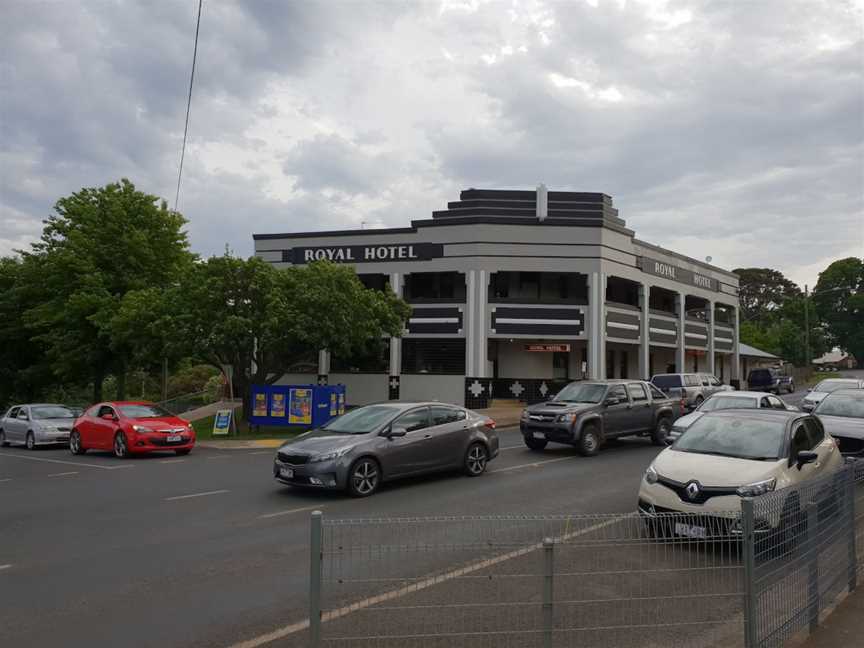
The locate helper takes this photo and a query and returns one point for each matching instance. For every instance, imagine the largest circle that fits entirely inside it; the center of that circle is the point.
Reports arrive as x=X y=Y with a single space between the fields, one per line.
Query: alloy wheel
x=590 y=443
x=74 y=443
x=477 y=458
x=31 y=441
x=365 y=477
x=119 y=446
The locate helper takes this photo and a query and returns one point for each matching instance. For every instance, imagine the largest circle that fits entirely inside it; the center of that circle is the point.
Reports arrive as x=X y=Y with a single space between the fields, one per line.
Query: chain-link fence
x=675 y=580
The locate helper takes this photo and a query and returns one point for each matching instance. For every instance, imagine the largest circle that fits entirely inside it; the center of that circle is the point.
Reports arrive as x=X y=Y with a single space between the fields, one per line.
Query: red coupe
x=130 y=428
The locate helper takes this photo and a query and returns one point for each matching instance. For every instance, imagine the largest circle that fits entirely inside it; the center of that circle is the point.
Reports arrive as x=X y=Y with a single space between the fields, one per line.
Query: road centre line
x=68 y=463
x=279 y=633
x=204 y=494
x=534 y=464
x=172 y=461
x=2 y=567
x=289 y=512
x=74 y=472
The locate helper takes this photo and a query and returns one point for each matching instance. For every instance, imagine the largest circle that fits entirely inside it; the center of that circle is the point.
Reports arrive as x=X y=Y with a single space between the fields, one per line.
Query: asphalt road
x=208 y=550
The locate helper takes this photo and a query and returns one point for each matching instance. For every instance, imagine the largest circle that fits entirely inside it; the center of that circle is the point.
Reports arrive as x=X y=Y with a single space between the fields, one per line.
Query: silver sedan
x=36 y=424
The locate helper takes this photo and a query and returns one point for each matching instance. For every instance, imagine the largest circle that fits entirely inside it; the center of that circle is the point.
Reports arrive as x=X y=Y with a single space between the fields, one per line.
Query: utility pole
x=806 y=327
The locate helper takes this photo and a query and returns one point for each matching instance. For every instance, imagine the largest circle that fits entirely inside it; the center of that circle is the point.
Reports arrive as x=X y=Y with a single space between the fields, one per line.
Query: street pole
x=806 y=327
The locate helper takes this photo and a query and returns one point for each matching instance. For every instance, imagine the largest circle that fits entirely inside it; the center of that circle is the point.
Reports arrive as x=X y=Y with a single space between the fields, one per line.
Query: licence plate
x=690 y=530
x=174 y=438
x=539 y=435
x=287 y=473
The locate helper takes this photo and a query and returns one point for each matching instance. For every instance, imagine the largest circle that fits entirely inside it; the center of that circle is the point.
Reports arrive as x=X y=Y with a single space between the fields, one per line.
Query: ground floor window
x=561 y=365
x=610 y=364
x=624 y=365
x=439 y=356
x=375 y=359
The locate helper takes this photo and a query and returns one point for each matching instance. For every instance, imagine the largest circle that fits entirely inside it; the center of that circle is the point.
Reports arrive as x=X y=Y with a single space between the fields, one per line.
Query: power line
x=188 y=106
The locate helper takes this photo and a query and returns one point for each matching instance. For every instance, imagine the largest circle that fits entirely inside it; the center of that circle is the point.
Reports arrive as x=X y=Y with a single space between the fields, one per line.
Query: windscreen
x=833 y=385
x=667 y=381
x=51 y=412
x=734 y=437
x=728 y=402
x=842 y=405
x=143 y=411
x=581 y=393
x=363 y=419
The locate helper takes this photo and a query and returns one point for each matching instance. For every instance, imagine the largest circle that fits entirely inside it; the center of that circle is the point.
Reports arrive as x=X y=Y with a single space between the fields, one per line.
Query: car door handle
x=427 y=436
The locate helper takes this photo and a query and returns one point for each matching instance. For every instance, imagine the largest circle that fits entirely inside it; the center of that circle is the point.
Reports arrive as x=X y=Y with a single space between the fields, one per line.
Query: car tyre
x=699 y=400
x=364 y=477
x=589 y=441
x=476 y=460
x=791 y=387
x=535 y=444
x=3 y=442
x=661 y=431
x=183 y=452
x=75 y=446
x=31 y=441
x=121 y=447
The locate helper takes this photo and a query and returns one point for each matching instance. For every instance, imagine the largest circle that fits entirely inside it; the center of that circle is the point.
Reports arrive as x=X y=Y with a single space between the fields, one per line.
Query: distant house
x=753 y=358
x=835 y=359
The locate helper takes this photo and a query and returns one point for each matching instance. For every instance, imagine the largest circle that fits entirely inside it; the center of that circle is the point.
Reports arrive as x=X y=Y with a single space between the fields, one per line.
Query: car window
x=52 y=412
x=734 y=436
x=105 y=409
x=764 y=402
x=691 y=381
x=705 y=382
x=776 y=403
x=667 y=381
x=93 y=411
x=718 y=402
x=842 y=405
x=12 y=413
x=362 y=420
x=617 y=391
x=831 y=385
x=22 y=414
x=815 y=432
x=414 y=420
x=637 y=392
x=443 y=415
x=656 y=393
x=144 y=411
x=714 y=382
x=800 y=440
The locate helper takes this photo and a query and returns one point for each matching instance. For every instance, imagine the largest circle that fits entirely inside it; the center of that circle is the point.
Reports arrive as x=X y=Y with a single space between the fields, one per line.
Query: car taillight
x=489 y=423
x=683 y=405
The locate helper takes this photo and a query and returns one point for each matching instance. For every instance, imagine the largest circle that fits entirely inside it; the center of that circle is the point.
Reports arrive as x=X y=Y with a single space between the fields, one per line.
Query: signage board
x=548 y=348
x=277 y=405
x=300 y=408
x=372 y=253
x=259 y=404
x=222 y=422
x=676 y=273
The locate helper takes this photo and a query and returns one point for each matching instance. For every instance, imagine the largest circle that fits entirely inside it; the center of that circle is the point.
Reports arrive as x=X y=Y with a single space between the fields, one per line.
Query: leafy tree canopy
x=762 y=293
x=839 y=299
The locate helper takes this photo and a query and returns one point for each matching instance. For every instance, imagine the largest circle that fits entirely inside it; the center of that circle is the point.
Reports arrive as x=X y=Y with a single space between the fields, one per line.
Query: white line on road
x=2 y=567
x=68 y=463
x=221 y=457
x=5 y=480
x=75 y=472
x=516 y=447
x=289 y=512
x=170 y=461
x=263 y=452
x=534 y=464
x=279 y=633
x=180 y=497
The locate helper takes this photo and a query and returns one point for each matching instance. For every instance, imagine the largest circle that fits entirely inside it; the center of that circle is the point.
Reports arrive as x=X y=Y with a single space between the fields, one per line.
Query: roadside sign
x=222 y=422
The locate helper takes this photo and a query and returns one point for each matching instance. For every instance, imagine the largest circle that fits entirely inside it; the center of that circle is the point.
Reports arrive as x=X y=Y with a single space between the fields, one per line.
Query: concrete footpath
x=843 y=628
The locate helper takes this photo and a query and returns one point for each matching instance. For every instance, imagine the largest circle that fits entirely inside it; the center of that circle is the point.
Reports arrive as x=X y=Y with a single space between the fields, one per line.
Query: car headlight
x=757 y=488
x=566 y=418
x=651 y=475
x=330 y=456
x=140 y=429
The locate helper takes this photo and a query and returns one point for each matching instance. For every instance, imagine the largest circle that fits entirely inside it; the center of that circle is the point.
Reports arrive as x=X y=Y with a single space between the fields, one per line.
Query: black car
x=770 y=380
x=842 y=416
x=585 y=414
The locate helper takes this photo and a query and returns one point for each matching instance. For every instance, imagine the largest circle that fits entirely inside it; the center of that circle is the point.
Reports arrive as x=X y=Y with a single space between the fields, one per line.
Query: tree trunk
x=98 y=380
x=121 y=384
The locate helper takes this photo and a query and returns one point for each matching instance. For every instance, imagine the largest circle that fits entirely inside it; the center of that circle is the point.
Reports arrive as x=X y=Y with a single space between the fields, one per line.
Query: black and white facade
x=514 y=293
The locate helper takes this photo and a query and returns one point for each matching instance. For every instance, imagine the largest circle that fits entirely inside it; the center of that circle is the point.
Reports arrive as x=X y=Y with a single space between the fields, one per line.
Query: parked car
x=842 y=414
x=692 y=388
x=730 y=400
x=585 y=414
x=131 y=427
x=770 y=380
x=824 y=387
x=728 y=455
x=376 y=443
x=36 y=424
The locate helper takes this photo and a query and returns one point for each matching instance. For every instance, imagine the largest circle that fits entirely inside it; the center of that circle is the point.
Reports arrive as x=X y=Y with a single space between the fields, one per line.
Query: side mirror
x=612 y=401
x=397 y=432
x=809 y=389
x=551 y=397
x=108 y=417
x=806 y=457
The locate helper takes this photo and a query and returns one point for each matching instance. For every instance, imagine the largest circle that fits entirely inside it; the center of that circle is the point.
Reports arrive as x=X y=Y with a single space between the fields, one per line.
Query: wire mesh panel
x=550 y=581
x=805 y=552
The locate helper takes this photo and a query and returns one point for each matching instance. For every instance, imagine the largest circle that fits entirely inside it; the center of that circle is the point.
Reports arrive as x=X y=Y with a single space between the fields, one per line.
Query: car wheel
x=476 y=459
x=183 y=452
x=364 y=477
x=535 y=444
x=589 y=441
x=699 y=401
x=31 y=441
x=791 y=387
x=661 y=432
x=75 y=446
x=121 y=450
x=3 y=442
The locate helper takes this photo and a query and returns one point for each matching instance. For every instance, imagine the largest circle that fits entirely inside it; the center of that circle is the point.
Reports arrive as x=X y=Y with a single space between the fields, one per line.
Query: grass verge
x=204 y=430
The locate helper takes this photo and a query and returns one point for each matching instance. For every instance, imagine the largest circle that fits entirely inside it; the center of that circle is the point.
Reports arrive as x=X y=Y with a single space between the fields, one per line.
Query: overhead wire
x=188 y=106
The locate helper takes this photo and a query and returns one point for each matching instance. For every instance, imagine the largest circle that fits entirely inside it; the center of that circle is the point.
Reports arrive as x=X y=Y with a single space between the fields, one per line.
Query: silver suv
x=692 y=388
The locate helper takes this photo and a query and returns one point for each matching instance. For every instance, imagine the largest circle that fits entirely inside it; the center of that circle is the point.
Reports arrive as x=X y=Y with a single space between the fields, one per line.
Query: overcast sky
x=733 y=129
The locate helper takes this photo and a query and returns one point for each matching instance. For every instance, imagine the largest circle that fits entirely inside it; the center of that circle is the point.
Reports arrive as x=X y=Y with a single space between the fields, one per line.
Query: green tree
x=762 y=293
x=100 y=244
x=839 y=300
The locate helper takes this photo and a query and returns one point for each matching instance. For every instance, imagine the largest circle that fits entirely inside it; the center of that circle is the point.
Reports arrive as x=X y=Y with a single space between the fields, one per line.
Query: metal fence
x=750 y=578
x=187 y=402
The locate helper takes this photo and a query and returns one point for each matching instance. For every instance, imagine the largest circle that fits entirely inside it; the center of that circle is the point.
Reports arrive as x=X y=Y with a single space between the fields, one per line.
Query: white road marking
x=533 y=464
x=289 y=512
x=63 y=474
x=68 y=463
x=2 y=567
x=180 y=497
x=5 y=480
x=516 y=447
x=279 y=633
x=171 y=461
x=221 y=457
x=263 y=452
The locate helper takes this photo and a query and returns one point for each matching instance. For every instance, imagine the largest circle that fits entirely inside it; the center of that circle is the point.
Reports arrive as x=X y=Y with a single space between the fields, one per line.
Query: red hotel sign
x=548 y=348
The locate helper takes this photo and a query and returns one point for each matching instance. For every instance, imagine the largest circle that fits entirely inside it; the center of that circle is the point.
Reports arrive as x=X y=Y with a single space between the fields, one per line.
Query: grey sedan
x=377 y=443
x=842 y=416
x=36 y=424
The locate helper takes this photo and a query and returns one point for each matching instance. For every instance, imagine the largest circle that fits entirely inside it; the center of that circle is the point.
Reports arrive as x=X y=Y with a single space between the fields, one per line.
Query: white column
x=681 y=354
x=396 y=342
x=597 y=326
x=736 y=352
x=475 y=323
x=323 y=363
x=644 y=333
x=711 y=358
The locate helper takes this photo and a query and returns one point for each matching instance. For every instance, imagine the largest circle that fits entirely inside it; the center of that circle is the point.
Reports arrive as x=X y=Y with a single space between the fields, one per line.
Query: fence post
x=813 y=564
x=548 y=592
x=748 y=546
x=850 y=513
x=315 y=552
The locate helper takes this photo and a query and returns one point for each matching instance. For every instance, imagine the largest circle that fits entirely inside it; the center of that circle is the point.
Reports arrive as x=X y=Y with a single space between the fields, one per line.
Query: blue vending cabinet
x=307 y=405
